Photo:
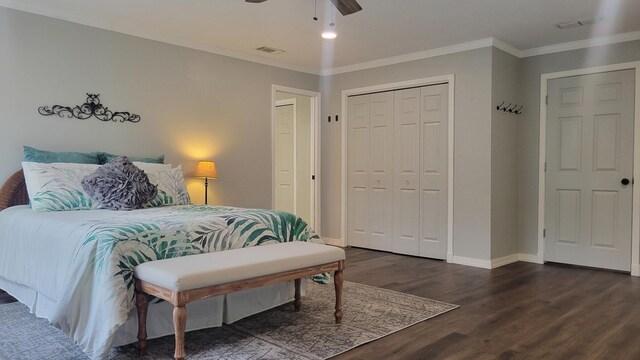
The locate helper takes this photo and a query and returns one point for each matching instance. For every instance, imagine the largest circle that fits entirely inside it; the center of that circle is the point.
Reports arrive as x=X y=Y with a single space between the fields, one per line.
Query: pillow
x=48 y=157
x=151 y=167
x=104 y=158
x=171 y=187
x=57 y=186
x=119 y=185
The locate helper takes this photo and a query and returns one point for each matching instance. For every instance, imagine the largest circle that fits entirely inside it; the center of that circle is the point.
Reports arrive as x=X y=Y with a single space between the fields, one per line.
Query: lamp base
x=206 y=191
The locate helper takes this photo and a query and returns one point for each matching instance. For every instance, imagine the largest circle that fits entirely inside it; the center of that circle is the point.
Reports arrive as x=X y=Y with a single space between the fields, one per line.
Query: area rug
x=369 y=314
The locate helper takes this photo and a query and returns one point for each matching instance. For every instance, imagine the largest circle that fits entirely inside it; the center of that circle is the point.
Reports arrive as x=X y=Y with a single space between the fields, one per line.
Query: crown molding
x=506 y=47
x=419 y=55
x=581 y=44
x=142 y=32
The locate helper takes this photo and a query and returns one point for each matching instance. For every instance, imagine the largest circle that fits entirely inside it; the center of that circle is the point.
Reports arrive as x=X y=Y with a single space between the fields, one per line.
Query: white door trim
x=444 y=79
x=635 y=219
x=315 y=146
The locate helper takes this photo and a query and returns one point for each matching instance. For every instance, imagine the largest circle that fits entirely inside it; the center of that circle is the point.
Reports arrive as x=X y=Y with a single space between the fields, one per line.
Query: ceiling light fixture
x=330 y=34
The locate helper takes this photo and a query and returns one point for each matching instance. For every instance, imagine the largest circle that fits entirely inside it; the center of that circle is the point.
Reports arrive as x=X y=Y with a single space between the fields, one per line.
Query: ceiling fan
x=346 y=7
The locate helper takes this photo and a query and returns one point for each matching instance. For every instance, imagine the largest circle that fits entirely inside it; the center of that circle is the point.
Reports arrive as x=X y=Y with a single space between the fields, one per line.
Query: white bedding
x=48 y=263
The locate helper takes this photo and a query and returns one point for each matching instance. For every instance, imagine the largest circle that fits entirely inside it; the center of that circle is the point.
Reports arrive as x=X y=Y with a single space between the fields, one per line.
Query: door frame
x=315 y=107
x=542 y=157
x=435 y=80
x=288 y=102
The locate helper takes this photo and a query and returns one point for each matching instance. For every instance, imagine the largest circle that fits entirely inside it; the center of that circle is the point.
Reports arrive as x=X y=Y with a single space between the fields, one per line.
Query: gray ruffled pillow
x=119 y=185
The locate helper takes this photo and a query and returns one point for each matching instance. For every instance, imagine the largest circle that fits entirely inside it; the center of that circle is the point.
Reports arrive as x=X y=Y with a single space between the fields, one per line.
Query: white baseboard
x=334 y=242
x=635 y=269
x=529 y=258
x=495 y=263
x=462 y=260
x=505 y=260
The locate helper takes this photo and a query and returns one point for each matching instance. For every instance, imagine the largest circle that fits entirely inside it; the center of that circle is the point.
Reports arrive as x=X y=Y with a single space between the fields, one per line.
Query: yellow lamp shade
x=207 y=169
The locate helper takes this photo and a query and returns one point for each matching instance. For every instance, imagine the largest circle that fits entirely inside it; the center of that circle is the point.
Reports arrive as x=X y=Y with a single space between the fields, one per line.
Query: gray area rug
x=369 y=314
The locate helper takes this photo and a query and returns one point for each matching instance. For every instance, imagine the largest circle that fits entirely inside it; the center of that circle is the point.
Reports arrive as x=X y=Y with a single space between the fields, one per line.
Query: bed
x=74 y=268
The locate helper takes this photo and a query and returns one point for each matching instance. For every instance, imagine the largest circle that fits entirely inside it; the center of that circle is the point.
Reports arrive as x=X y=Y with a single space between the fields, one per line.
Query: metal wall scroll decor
x=91 y=107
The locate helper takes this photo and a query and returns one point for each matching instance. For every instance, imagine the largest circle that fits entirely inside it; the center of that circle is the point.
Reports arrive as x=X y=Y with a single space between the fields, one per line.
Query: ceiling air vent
x=581 y=22
x=270 y=50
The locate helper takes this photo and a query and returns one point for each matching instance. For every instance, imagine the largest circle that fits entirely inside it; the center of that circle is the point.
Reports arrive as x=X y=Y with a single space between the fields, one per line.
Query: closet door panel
x=406 y=181
x=434 y=170
x=358 y=205
x=381 y=165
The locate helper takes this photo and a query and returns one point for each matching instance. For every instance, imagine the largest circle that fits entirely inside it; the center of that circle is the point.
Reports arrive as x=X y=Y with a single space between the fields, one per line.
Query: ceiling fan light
x=329 y=35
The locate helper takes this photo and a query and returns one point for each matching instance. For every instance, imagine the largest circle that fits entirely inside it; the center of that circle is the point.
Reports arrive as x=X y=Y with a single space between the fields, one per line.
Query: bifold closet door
x=358 y=204
x=397 y=171
x=434 y=138
x=381 y=165
x=406 y=159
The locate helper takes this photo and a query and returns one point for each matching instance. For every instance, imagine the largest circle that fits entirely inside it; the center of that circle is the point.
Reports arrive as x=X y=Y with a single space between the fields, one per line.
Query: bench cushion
x=203 y=270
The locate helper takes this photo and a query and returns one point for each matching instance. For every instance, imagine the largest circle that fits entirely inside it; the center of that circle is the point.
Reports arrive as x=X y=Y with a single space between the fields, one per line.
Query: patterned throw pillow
x=57 y=186
x=171 y=187
x=119 y=185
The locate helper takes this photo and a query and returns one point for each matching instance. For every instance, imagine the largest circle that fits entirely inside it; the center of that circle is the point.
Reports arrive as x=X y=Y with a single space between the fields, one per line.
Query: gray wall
x=194 y=105
x=472 y=154
x=529 y=123
x=504 y=155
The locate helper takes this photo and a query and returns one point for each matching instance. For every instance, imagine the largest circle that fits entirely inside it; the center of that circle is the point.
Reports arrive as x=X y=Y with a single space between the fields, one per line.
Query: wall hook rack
x=511 y=108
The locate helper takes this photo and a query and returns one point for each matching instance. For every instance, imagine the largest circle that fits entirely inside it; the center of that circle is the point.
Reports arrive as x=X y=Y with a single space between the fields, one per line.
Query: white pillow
x=146 y=167
x=58 y=186
x=171 y=187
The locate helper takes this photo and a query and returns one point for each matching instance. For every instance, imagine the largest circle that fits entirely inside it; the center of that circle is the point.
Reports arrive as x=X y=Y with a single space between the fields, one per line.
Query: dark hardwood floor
x=518 y=311
x=5 y=298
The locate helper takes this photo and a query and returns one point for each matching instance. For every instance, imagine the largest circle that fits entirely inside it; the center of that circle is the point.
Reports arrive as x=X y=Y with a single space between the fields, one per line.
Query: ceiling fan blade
x=347 y=7
x=255 y=1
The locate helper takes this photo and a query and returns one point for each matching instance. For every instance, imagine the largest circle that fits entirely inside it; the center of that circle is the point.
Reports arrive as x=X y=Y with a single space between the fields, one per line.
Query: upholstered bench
x=185 y=279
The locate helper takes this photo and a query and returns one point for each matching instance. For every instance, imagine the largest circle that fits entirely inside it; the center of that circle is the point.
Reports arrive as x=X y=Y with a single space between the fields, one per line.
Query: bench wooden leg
x=179 y=325
x=142 y=305
x=338 y=279
x=297 y=303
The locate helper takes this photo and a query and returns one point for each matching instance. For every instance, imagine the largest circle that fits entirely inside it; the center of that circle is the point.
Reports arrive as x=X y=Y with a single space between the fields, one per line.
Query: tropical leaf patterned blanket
x=88 y=265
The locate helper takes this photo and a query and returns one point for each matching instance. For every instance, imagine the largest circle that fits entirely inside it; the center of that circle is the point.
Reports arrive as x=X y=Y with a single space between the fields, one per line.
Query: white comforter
x=83 y=260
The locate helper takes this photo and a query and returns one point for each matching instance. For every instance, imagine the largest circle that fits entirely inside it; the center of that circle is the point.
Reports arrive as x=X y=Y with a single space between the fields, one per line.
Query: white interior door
x=381 y=165
x=589 y=153
x=358 y=208
x=406 y=195
x=434 y=171
x=285 y=149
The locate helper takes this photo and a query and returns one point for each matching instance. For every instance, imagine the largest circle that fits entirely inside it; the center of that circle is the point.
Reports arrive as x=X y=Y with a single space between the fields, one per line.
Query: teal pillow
x=48 y=157
x=104 y=158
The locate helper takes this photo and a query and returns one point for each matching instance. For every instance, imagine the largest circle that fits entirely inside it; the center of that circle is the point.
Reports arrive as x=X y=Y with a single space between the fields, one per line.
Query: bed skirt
x=212 y=312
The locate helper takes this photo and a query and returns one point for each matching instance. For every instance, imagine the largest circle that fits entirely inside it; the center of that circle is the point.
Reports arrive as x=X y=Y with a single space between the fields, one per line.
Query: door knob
x=624 y=181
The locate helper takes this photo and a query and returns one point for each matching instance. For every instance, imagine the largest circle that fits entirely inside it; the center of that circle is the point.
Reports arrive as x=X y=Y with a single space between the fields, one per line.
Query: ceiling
x=382 y=30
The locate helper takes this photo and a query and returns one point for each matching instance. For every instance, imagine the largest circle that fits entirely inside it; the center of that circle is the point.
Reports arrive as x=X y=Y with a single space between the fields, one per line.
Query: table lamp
x=206 y=170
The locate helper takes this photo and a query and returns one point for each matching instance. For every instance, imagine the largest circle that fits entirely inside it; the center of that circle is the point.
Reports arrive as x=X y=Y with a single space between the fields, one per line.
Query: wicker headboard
x=14 y=191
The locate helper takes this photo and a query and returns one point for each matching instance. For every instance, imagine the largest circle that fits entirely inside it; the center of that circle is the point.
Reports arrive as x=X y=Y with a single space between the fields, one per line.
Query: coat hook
x=498 y=107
